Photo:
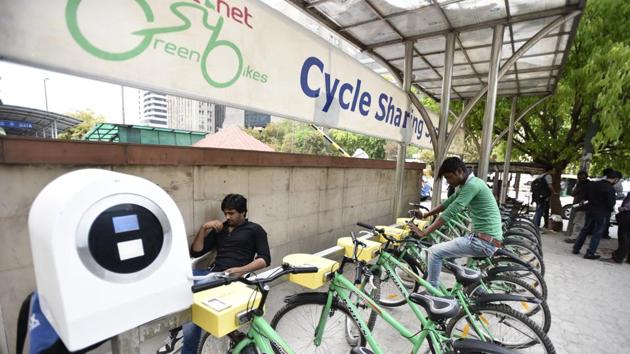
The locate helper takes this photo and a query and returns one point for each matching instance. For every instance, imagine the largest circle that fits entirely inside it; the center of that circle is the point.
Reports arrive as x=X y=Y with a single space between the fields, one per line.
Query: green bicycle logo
x=147 y=35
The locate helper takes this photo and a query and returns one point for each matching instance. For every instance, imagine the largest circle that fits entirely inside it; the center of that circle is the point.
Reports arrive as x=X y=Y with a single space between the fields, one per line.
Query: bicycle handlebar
x=370 y=227
x=286 y=269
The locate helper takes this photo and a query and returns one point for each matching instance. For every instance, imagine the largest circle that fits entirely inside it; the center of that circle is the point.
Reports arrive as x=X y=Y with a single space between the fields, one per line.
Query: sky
x=24 y=86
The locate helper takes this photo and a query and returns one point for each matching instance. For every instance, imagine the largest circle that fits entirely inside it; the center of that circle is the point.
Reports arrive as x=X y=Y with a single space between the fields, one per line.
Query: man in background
x=576 y=221
x=601 y=200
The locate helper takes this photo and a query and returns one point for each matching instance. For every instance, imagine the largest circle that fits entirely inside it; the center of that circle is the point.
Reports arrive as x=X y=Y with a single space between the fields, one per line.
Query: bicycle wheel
x=390 y=295
x=510 y=237
x=209 y=344
x=506 y=327
x=532 y=278
x=297 y=321
x=538 y=313
x=527 y=254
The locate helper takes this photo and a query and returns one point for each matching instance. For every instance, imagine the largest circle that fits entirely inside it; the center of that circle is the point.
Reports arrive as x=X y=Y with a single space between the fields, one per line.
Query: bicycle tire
x=510 y=237
x=318 y=300
x=536 y=336
x=523 y=234
x=387 y=298
x=533 y=279
x=203 y=343
x=528 y=227
x=543 y=320
x=526 y=254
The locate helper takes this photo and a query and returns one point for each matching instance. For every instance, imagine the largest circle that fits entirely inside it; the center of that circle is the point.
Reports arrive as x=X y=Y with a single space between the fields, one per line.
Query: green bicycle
x=260 y=336
x=321 y=321
x=407 y=266
x=484 y=316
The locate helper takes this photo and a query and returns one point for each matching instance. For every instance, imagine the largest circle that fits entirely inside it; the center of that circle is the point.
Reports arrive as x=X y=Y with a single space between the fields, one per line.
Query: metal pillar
x=46 y=94
x=402 y=146
x=491 y=99
x=122 y=101
x=54 y=127
x=508 y=152
x=442 y=148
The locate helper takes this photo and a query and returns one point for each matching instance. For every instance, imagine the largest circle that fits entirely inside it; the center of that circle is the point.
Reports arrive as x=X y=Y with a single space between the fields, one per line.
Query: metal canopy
x=381 y=27
x=44 y=123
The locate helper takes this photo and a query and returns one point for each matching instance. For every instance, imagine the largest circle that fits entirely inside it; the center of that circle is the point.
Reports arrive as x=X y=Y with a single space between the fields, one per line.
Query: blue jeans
x=595 y=226
x=465 y=246
x=542 y=209
x=192 y=332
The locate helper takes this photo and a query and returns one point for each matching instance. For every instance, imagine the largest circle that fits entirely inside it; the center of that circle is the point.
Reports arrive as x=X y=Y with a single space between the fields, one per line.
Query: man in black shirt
x=601 y=200
x=241 y=246
x=576 y=220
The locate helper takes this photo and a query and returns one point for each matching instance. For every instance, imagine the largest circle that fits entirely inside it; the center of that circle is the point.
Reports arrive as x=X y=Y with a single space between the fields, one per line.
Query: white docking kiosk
x=110 y=253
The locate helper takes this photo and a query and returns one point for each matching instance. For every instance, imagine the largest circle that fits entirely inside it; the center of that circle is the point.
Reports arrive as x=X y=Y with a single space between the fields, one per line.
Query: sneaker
x=172 y=344
x=574 y=251
x=610 y=260
x=569 y=240
x=592 y=256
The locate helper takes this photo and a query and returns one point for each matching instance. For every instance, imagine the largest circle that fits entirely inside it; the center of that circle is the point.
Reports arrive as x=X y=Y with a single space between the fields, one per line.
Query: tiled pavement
x=589 y=299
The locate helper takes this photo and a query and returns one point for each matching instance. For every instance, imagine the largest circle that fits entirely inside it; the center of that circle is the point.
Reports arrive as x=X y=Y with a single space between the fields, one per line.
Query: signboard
x=237 y=52
x=14 y=124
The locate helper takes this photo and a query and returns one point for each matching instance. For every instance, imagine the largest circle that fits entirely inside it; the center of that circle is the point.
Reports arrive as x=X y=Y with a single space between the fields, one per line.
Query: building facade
x=166 y=111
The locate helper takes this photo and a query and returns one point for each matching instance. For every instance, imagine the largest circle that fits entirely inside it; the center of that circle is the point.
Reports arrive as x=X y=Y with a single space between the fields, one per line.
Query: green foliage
x=89 y=120
x=301 y=138
x=293 y=137
x=350 y=142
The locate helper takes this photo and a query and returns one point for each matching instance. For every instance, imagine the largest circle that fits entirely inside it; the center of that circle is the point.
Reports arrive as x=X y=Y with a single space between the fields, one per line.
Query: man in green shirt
x=475 y=195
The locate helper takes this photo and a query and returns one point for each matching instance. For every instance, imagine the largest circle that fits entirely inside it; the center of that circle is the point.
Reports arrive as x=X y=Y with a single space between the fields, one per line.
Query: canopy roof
x=31 y=121
x=380 y=28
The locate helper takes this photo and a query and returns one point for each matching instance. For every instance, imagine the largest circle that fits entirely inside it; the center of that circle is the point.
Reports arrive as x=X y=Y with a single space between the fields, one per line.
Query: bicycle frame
x=261 y=335
x=387 y=262
x=341 y=287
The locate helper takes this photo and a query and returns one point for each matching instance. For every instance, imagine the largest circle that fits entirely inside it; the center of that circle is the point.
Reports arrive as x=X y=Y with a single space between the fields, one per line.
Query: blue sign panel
x=14 y=124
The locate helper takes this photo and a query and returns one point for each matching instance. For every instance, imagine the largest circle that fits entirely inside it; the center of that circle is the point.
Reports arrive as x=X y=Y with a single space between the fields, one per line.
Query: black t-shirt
x=579 y=191
x=240 y=247
x=601 y=198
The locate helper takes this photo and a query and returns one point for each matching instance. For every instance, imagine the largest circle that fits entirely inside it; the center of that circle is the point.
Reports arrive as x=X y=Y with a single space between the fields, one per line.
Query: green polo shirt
x=484 y=212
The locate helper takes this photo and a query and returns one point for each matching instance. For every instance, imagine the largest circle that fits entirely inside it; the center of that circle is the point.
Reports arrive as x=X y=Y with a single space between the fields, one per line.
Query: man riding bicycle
x=475 y=195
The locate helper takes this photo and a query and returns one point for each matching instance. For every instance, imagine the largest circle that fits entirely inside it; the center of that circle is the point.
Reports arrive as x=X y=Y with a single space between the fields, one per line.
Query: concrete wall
x=304 y=202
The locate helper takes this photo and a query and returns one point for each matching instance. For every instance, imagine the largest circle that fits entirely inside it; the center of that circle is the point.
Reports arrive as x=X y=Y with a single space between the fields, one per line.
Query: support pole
x=402 y=146
x=491 y=100
x=449 y=53
x=508 y=152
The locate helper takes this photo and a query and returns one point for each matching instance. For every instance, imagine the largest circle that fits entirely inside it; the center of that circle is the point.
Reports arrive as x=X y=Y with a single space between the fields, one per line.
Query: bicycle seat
x=361 y=350
x=464 y=275
x=438 y=308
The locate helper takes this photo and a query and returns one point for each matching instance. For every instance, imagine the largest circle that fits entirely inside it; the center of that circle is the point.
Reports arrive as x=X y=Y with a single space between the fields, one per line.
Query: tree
x=592 y=90
x=301 y=138
x=88 y=120
x=350 y=142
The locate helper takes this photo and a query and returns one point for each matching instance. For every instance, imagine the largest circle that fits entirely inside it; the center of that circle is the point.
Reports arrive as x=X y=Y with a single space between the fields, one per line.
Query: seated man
x=241 y=247
x=475 y=195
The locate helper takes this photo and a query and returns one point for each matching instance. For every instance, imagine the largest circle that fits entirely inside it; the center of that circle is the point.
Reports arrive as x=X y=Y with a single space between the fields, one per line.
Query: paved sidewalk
x=587 y=299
